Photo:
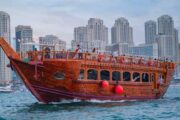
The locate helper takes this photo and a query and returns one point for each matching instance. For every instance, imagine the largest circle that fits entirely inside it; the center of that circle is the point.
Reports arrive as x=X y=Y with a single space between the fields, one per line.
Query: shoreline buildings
x=24 y=36
x=53 y=42
x=93 y=35
x=150 y=32
x=121 y=36
x=166 y=39
x=144 y=50
x=5 y=72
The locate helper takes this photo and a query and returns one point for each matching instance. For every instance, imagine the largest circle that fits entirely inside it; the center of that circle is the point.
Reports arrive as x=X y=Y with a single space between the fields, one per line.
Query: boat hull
x=46 y=89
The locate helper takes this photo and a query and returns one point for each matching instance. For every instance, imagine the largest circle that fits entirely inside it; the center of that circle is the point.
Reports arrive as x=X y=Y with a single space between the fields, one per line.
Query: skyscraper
x=80 y=34
x=166 y=37
x=176 y=39
x=94 y=35
x=80 y=37
x=150 y=32
x=120 y=31
x=5 y=73
x=122 y=36
x=96 y=30
x=113 y=35
x=166 y=46
x=131 y=36
x=165 y=25
x=177 y=51
x=24 y=34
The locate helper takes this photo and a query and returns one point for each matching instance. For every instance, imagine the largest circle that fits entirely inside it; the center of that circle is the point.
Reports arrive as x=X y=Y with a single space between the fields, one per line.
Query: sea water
x=21 y=105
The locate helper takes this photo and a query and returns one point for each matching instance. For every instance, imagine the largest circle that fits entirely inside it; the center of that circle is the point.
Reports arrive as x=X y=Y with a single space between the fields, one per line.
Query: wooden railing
x=127 y=60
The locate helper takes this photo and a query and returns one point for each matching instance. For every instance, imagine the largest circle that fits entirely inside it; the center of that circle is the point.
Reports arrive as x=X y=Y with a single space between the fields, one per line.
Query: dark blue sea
x=21 y=105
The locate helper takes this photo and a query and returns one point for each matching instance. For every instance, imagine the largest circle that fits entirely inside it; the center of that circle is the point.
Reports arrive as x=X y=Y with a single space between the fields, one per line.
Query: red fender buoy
x=105 y=84
x=119 y=89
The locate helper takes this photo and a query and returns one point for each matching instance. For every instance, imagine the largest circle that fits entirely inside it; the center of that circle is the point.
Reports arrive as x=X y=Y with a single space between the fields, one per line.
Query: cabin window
x=81 y=74
x=105 y=75
x=145 y=77
x=59 y=75
x=126 y=76
x=161 y=78
x=136 y=77
x=116 y=76
x=152 y=77
x=92 y=74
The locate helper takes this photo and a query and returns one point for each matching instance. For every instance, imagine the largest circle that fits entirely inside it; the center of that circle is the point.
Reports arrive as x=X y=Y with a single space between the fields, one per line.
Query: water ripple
x=21 y=105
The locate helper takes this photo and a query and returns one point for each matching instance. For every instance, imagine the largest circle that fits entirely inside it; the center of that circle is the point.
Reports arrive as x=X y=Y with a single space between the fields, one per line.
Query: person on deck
x=78 y=51
x=94 y=50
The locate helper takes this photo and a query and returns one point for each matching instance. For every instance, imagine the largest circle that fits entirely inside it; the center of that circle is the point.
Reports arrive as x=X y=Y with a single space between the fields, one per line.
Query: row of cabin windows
x=116 y=75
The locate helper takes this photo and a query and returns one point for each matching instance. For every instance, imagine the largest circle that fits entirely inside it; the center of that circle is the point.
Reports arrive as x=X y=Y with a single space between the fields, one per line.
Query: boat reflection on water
x=70 y=105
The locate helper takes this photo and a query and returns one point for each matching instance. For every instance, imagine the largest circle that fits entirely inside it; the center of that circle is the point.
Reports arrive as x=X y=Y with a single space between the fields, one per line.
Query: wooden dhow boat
x=55 y=75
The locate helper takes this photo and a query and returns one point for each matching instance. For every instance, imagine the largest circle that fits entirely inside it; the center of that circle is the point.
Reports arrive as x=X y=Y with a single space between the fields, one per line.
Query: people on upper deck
x=140 y=60
x=47 y=52
x=61 y=54
x=99 y=57
x=149 y=62
x=35 y=54
x=93 y=55
x=94 y=50
x=78 y=52
x=121 y=60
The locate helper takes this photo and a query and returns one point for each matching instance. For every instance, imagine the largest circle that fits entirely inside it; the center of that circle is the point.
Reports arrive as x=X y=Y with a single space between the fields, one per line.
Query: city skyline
x=60 y=17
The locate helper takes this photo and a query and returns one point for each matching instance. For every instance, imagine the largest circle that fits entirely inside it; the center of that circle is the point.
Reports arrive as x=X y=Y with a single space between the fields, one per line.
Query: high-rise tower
x=5 y=73
x=93 y=35
x=24 y=34
x=121 y=29
x=165 y=25
x=96 y=30
x=150 y=32
x=166 y=38
x=121 y=36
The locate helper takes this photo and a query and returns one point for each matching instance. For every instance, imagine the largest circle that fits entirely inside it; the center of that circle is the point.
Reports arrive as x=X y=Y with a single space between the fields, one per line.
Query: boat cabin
x=115 y=69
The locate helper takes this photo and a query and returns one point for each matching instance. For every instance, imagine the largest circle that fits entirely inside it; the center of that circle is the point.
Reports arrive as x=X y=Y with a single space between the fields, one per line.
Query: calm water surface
x=21 y=105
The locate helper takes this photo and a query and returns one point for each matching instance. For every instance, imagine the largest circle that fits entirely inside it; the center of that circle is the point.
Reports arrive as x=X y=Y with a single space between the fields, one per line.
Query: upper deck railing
x=96 y=57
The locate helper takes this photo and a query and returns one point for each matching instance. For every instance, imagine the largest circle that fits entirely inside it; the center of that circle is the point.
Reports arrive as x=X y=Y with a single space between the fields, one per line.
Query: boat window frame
x=119 y=75
x=83 y=77
x=62 y=74
x=161 y=78
x=96 y=78
x=101 y=74
x=152 y=77
x=128 y=75
x=143 y=80
x=133 y=77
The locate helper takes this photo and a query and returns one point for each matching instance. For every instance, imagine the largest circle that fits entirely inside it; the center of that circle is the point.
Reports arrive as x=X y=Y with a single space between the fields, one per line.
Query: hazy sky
x=59 y=17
